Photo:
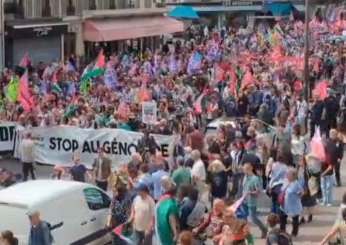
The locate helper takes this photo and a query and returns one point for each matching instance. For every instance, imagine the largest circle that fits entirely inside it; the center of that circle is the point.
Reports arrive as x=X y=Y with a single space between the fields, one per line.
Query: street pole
x=306 y=53
x=306 y=60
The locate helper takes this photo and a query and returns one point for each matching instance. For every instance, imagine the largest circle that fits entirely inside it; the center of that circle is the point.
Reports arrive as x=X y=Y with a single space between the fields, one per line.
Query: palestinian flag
x=125 y=232
x=97 y=70
x=238 y=80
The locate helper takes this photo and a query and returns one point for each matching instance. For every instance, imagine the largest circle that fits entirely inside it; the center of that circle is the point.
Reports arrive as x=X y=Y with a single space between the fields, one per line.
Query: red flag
x=100 y=59
x=24 y=96
x=322 y=89
x=219 y=74
x=25 y=61
x=54 y=78
x=277 y=54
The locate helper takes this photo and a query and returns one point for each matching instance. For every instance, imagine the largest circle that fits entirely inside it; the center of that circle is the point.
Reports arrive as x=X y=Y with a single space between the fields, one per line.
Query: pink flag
x=322 y=89
x=233 y=208
x=317 y=148
x=24 y=96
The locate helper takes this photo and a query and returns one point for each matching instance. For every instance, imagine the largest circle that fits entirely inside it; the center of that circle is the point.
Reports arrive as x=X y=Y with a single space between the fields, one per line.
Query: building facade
x=51 y=30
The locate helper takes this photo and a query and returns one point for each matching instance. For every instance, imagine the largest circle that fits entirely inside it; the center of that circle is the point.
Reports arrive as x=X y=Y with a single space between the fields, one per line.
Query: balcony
x=46 y=12
x=70 y=10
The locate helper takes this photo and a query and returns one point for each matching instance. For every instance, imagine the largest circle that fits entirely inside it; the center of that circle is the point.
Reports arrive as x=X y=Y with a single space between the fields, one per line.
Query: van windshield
x=14 y=218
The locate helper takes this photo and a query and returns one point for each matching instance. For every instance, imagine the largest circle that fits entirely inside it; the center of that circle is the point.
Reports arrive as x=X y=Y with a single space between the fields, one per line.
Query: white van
x=78 y=209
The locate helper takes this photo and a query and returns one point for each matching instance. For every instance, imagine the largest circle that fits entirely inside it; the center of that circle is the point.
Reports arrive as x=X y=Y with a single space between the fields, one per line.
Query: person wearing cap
x=102 y=168
x=142 y=215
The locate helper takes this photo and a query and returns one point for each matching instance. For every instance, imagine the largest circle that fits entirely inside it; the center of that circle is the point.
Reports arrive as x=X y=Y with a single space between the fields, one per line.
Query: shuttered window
x=46 y=49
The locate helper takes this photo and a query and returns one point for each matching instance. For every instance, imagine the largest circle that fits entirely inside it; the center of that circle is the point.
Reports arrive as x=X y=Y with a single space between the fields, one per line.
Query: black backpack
x=283 y=237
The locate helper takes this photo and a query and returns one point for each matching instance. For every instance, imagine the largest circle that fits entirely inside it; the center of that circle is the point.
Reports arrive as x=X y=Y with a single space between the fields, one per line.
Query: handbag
x=281 y=196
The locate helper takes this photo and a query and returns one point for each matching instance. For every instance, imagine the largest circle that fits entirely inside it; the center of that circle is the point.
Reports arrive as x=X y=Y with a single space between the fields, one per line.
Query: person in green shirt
x=123 y=125
x=167 y=219
x=181 y=175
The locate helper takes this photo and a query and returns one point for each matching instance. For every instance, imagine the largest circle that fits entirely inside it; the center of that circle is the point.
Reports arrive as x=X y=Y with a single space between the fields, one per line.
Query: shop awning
x=124 y=29
x=279 y=9
x=186 y=12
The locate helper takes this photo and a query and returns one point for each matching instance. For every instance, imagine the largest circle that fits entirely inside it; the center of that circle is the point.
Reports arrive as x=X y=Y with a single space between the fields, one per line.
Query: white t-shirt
x=144 y=211
x=198 y=170
x=297 y=145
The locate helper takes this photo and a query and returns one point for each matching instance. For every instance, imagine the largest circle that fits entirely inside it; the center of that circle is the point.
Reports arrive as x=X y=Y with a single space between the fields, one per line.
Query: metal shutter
x=46 y=49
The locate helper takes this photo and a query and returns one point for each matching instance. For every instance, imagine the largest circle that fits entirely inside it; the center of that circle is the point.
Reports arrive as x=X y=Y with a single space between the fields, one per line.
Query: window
x=96 y=199
x=46 y=3
x=92 y=4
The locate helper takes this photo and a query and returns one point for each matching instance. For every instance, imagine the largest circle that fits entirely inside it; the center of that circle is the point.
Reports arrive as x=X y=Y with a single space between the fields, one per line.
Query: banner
x=57 y=145
x=7 y=136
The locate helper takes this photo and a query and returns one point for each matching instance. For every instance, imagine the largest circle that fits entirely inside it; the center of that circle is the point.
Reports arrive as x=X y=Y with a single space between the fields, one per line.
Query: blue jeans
x=327 y=189
x=252 y=211
x=274 y=208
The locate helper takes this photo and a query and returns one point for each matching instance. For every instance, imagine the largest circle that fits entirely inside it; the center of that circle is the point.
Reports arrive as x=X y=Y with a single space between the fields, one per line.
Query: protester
x=7 y=238
x=40 y=231
x=291 y=193
x=102 y=170
x=142 y=215
x=219 y=180
x=27 y=157
x=119 y=211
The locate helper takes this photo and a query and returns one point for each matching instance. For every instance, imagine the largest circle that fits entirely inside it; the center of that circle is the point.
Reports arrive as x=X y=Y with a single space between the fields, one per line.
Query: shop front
x=132 y=29
x=41 y=41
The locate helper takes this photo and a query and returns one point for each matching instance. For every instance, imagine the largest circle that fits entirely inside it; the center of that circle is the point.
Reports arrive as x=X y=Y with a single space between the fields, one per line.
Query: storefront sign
x=26 y=30
x=238 y=3
x=42 y=31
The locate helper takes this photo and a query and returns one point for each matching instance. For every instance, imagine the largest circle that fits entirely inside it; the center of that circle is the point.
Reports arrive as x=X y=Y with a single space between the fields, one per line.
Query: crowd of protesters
x=254 y=77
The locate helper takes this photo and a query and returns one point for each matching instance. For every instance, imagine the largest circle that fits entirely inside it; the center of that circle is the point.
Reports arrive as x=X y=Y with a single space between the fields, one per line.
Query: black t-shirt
x=227 y=162
x=78 y=171
x=219 y=184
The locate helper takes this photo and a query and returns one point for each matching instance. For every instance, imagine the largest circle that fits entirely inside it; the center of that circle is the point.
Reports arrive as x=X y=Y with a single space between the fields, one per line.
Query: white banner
x=7 y=136
x=56 y=145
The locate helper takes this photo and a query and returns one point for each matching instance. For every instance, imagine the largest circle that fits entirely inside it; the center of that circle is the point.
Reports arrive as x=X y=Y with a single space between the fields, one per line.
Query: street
x=311 y=233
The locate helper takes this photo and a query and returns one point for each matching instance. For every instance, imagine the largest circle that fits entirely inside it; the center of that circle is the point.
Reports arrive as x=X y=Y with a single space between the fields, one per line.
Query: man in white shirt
x=198 y=172
x=27 y=157
x=142 y=216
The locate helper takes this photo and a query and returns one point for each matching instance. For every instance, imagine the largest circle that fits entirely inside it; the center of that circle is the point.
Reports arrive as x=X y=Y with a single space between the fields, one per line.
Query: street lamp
x=306 y=53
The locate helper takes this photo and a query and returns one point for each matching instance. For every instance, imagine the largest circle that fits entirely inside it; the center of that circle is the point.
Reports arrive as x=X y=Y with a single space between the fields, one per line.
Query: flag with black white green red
x=239 y=79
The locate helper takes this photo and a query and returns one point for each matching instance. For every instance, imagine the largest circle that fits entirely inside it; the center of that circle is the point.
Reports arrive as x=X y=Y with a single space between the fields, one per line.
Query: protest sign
x=56 y=145
x=149 y=112
x=7 y=136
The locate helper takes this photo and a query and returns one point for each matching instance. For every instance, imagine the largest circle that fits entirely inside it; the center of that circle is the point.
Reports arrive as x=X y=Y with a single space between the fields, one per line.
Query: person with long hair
x=119 y=211
x=308 y=198
x=297 y=144
x=7 y=238
x=218 y=180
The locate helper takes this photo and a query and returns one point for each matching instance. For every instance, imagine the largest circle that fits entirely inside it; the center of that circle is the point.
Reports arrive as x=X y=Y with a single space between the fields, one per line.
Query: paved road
x=309 y=234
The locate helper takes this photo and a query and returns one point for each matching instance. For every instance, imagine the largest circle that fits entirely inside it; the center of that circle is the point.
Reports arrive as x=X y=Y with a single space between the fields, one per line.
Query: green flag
x=84 y=87
x=12 y=90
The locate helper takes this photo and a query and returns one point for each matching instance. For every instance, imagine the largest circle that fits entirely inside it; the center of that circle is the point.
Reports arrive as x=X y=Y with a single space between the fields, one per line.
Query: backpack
x=284 y=238
x=51 y=238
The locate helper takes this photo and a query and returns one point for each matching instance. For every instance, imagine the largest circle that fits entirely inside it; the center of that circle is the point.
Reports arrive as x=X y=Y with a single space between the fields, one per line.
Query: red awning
x=123 y=29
